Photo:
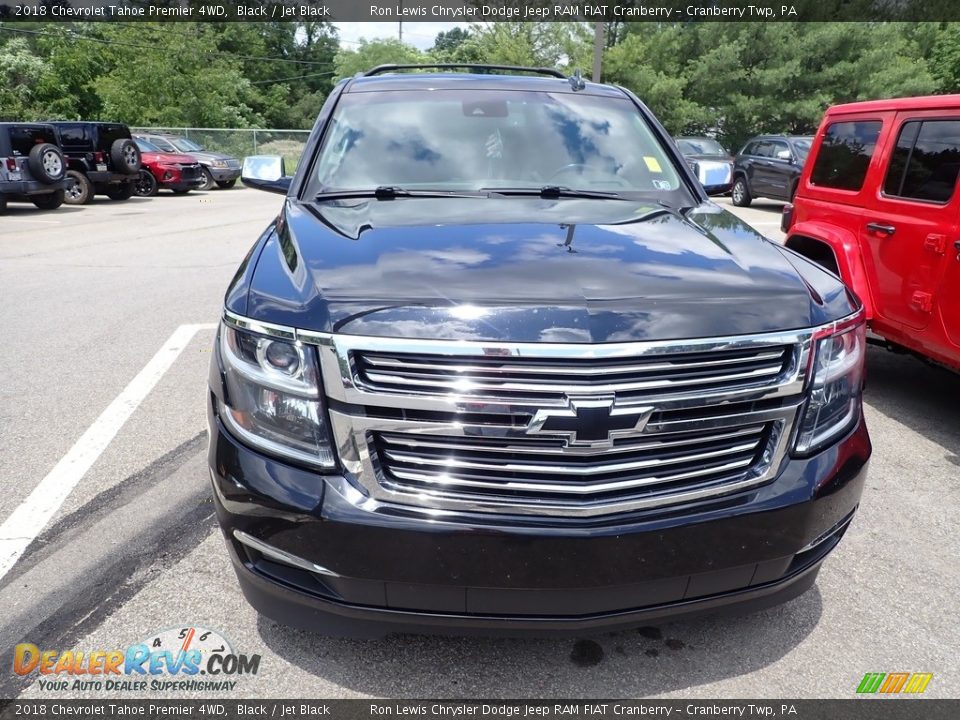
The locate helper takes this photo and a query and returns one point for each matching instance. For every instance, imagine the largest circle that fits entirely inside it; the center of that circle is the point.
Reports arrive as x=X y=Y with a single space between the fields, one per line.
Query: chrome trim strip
x=281 y=555
x=824 y=536
x=413 y=441
x=467 y=383
x=568 y=370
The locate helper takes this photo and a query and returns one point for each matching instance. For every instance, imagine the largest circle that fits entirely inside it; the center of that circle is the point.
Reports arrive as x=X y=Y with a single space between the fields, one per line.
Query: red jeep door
x=949 y=293
x=912 y=217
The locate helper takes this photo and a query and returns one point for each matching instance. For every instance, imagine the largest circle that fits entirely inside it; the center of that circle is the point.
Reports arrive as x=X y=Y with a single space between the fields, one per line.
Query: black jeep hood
x=528 y=270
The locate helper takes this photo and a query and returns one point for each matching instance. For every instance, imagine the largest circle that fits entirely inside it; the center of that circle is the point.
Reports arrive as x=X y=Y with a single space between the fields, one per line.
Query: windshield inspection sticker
x=653 y=165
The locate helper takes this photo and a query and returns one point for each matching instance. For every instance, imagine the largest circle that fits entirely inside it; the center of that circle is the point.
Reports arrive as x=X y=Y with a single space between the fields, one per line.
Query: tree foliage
x=732 y=80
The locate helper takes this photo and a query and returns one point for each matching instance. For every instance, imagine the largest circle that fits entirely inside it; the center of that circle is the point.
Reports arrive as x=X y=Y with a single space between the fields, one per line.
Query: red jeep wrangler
x=877 y=205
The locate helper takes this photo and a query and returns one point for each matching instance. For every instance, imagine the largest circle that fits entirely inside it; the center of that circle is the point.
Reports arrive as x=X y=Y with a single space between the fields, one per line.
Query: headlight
x=836 y=385
x=219 y=163
x=273 y=398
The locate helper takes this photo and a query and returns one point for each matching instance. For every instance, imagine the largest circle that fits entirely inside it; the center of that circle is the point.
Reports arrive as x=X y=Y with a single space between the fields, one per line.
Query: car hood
x=167 y=158
x=206 y=156
x=712 y=158
x=527 y=270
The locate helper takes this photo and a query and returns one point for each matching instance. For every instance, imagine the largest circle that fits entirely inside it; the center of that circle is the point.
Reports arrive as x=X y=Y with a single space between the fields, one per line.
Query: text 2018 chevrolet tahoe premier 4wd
x=500 y=365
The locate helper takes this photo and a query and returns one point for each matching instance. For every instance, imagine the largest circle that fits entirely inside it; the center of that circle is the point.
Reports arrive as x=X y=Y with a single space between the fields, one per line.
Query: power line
x=72 y=35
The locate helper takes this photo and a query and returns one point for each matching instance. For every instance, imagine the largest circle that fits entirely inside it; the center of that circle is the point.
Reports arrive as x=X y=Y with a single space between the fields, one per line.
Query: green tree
x=20 y=71
x=370 y=53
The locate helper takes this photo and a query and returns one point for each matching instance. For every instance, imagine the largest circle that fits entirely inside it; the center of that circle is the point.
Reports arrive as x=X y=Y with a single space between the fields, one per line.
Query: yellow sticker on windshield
x=652 y=164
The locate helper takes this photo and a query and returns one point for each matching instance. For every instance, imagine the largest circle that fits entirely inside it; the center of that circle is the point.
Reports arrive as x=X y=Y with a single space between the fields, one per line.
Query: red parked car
x=877 y=204
x=180 y=173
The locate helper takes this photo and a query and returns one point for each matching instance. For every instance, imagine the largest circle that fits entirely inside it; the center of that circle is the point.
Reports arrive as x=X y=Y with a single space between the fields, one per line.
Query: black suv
x=102 y=159
x=31 y=165
x=769 y=166
x=499 y=364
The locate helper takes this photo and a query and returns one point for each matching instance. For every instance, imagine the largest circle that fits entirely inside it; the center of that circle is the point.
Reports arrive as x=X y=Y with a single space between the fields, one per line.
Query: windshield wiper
x=391 y=192
x=555 y=191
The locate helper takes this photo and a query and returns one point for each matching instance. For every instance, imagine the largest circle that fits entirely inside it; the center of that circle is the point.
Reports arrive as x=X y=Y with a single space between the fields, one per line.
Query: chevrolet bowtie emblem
x=591 y=422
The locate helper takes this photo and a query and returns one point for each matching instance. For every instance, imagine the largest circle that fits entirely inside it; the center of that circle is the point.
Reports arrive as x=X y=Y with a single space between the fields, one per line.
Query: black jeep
x=102 y=159
x=32 y=165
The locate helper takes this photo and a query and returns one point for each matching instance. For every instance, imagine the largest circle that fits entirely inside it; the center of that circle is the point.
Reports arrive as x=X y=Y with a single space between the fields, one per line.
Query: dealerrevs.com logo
x=186 y=659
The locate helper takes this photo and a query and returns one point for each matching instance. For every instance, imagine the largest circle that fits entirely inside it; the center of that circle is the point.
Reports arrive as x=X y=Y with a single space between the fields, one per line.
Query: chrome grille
x=510 y=377
x=450 y=427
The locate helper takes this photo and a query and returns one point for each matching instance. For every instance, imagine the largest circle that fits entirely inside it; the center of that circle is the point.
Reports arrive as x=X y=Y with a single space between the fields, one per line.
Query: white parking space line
x=33 y=514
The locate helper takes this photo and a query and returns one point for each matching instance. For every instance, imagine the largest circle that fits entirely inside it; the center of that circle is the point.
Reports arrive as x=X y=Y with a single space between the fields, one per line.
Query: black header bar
x=479 y=10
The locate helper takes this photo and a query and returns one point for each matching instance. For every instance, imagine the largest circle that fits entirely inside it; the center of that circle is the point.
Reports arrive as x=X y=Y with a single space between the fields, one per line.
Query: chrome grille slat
x=466 y=384
x=588 y=470
x=507 y=445
x=465 y=480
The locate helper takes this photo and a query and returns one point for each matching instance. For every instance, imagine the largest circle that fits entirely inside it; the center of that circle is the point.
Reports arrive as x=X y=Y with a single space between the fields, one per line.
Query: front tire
x=208 y=182
x=78 y=190
x=183 y=191
x=740 y=194
x=3 y=204
x=146 y=184
x=50 y=201
x=226 y=184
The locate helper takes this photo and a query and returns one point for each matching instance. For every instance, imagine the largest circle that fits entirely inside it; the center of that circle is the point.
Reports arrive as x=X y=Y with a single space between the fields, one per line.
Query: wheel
x=3 y=204
x=146 y=184
x=181 y=191
x=126 y=156
x=78 y=190
x=50 y=201
x=208 y=182
x=226 y=184
x=741 y=193
x=46 y=163
x=123 y=191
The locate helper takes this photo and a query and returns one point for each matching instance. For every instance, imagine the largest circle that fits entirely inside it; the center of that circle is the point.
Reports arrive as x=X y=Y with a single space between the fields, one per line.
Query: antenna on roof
x=576 y=81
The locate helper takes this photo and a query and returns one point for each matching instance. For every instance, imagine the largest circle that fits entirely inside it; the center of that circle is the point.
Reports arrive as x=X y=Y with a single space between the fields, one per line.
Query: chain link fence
x=241 y=142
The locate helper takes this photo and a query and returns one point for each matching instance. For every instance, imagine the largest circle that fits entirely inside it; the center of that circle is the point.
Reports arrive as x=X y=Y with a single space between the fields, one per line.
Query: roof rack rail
x=480 y=67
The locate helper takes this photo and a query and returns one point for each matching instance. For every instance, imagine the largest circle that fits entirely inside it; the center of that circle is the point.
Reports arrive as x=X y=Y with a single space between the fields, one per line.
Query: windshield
x=802 y=145
x=700 y=146
x=146 y=146
x=487 y=139
x=184 y=145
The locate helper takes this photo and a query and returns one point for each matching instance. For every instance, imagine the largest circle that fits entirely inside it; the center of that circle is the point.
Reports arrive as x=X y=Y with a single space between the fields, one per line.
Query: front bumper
x=376 y=571
x=223 y=174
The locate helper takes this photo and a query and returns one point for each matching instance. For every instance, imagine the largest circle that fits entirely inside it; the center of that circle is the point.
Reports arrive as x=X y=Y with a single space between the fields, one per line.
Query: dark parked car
x=769 y=166
x=162 y=170
x=102 y=159
x=31 y=165
x=218 y=169
x=710 y=162
x=483 y=373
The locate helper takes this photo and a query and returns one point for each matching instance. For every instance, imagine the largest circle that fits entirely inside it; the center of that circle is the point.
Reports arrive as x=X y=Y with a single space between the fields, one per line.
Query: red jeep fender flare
x=846 y=251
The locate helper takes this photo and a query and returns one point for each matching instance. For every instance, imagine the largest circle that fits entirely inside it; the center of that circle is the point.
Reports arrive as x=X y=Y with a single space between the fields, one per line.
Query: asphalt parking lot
x=109 y=313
